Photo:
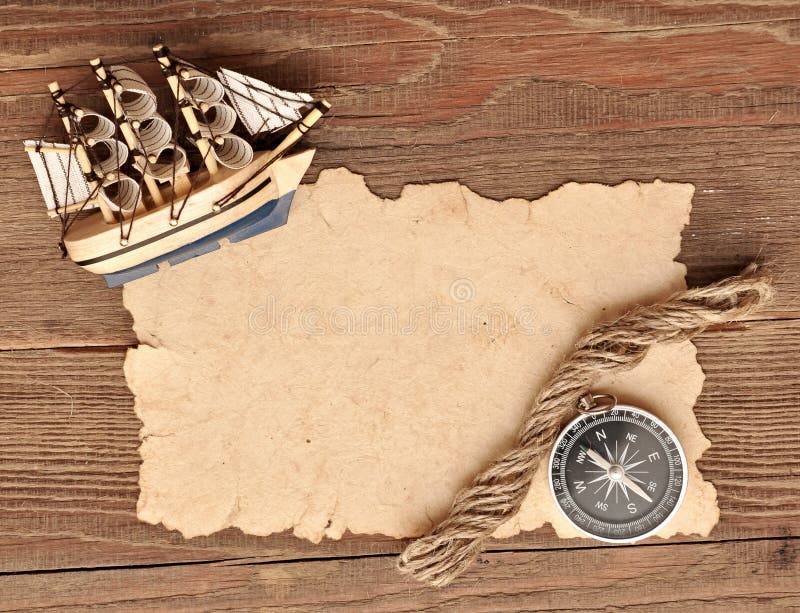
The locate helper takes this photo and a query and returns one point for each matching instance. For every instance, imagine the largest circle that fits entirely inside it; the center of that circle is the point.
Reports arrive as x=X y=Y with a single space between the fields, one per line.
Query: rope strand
x=497 y=494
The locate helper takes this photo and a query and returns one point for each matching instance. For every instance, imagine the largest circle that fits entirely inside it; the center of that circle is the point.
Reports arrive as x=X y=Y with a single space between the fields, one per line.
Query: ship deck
x=511 y=101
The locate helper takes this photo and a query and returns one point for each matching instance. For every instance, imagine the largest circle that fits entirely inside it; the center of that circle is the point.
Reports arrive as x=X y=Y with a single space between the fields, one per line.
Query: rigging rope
x=67 y=218
x=249 y=87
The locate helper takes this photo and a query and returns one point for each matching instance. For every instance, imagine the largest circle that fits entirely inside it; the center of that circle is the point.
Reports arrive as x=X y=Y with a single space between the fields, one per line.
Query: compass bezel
x=684 y=469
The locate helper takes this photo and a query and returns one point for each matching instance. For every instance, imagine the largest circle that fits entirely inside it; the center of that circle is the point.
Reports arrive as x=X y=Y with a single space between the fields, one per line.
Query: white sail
x=260 y=106
x=216 y=119
x=234 y=152
x=122 y=194
x=137 y=99
x=154 y=134
x=200 y=87
x=59 y=174
x=94 y=125
x=108 y=155
x=170 y=161
x=153 y=131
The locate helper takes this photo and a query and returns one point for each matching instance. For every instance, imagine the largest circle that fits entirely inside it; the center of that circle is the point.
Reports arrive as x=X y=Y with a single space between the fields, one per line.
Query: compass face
x=618 y=476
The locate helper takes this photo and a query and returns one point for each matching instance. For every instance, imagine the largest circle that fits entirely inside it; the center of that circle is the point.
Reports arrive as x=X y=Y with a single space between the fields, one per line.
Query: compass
x=617 y=472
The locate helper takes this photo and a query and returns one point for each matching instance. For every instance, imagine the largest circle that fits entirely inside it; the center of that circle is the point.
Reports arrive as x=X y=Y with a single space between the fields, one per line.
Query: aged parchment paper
x=355 y=368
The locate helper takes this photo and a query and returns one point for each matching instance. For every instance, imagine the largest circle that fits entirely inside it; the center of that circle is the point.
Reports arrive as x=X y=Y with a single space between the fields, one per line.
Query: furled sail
x=216 y=119
x=200 y=87
x=59 y=174
x=154 y=133
x=260 y=106
x=108 y=155
x=94 y=126
x=119 y=191
x=162 y=159
x=137 y=99
x=233 y=152
x=122 y=194
x=169 y=160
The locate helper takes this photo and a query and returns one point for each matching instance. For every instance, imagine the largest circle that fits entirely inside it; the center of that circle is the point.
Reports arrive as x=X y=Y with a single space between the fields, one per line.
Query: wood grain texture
x=743 y=209
x=710 y=577
x=524 y=97
x=511 y=99
x=69 y=460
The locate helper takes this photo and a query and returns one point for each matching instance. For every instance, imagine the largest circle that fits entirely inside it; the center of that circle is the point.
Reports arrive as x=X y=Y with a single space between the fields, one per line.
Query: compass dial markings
x=594 y=510
x=616 y=475
x=624 y=453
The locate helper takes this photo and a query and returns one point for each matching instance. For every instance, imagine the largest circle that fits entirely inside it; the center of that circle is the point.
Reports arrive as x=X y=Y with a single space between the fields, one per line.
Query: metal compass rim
x=684 y=468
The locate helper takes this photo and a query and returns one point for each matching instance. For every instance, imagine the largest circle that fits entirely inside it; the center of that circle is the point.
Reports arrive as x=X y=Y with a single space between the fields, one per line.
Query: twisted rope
x=497 y=494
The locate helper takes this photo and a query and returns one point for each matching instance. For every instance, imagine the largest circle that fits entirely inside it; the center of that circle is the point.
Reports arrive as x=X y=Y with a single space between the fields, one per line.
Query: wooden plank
x=749 y=575
x=721 y=75
x=511 y=99
x=45 y=35
x=744 y=208
x=69 y=459
x=525 y=100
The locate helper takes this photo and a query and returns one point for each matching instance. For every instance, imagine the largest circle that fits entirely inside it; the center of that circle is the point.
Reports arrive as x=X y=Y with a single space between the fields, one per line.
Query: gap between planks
x=255 y=561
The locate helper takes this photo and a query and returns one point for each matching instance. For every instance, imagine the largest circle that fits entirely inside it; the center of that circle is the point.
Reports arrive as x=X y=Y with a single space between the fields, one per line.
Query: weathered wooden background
x=511 y=99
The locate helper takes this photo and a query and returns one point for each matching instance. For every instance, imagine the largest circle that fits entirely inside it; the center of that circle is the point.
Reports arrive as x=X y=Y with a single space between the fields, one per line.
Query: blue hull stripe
x=269 y=216
x=179 y=228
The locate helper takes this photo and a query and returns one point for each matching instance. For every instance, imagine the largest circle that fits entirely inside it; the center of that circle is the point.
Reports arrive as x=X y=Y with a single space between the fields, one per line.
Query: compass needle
x=636 y=489
x=596 y=463
x=597 y=459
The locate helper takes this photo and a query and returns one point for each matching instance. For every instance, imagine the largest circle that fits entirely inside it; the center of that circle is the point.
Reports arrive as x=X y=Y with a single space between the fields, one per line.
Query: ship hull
x=262 y=204
x=270 y=215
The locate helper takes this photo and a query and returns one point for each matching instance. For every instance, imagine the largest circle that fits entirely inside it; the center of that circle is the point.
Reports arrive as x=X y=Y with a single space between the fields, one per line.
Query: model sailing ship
x=150 y=206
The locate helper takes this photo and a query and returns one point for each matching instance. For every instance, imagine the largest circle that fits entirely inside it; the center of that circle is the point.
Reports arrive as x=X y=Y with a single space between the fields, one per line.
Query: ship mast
x=110 y=86
x=65 y=112
x=203 y=144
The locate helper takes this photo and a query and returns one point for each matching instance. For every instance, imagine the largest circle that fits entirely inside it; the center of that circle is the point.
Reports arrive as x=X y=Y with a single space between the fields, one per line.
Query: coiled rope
x=497 y=494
